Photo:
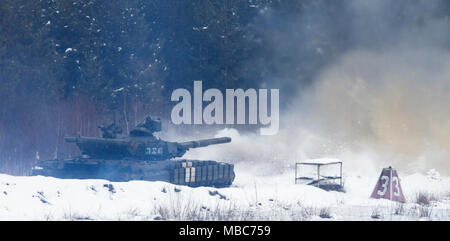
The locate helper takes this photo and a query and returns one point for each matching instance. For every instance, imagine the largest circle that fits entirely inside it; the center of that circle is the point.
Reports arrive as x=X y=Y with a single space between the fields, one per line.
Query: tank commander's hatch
x=110 y=131
x=324 y=175
x=147 y=127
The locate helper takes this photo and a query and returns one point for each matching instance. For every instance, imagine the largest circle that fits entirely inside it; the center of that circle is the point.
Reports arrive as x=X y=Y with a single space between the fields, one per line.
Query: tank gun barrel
x=204 y=142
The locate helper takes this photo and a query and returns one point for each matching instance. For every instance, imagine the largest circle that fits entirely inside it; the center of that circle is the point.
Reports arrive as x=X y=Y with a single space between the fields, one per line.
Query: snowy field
x=251 y=197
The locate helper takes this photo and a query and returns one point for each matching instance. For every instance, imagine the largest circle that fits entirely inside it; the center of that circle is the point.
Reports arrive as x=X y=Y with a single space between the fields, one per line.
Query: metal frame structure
x=319 y=177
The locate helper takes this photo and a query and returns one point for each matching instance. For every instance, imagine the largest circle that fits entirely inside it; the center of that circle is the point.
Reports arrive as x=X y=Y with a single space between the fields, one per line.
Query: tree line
x=69 y=65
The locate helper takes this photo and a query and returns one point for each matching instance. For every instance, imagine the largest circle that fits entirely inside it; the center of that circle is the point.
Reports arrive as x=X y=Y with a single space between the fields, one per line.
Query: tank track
x=191 y=173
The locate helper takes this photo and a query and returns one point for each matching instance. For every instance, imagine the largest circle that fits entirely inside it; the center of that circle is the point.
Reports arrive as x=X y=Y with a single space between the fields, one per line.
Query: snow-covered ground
x=251 y=197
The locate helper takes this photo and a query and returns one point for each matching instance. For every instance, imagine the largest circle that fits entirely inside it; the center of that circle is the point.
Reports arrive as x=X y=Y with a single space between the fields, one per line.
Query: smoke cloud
x=392 y=103
x=383 y=101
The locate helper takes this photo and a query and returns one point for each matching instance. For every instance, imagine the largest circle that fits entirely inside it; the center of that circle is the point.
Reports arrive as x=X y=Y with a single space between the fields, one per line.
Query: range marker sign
x=388 y=186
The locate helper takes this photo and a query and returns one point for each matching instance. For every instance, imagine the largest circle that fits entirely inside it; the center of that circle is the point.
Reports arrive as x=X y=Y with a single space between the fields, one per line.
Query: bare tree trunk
x=135 y=112
x=125 y=116
x=58 y=131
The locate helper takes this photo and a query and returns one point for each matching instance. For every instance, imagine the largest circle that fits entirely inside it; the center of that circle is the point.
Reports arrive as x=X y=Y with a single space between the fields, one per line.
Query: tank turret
x=139 y=144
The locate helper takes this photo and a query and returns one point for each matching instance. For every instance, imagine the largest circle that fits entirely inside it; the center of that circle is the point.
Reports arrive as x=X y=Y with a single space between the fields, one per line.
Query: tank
x=139 y=156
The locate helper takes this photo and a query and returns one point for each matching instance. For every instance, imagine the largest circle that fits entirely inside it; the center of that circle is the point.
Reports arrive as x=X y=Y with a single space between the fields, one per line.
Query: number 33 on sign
x=388 y=186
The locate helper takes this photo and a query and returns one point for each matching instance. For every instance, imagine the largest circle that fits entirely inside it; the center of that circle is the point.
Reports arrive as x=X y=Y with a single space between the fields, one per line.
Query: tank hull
x=192 y=173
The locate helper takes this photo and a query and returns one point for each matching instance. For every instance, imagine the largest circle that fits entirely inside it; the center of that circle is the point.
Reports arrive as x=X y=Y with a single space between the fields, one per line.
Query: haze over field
x=364 y=81
x=381 y=102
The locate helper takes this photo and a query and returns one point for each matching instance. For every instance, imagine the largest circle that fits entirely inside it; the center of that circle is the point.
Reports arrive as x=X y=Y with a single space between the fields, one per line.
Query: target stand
x=314 y=173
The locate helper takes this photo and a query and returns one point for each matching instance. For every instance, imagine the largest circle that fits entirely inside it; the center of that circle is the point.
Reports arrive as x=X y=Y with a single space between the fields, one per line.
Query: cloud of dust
x=370 y=109
x=392 y=103
x=383 y=102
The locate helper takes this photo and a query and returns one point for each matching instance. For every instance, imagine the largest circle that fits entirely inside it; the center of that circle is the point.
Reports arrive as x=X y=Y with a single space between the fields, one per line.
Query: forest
x=67 y=66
